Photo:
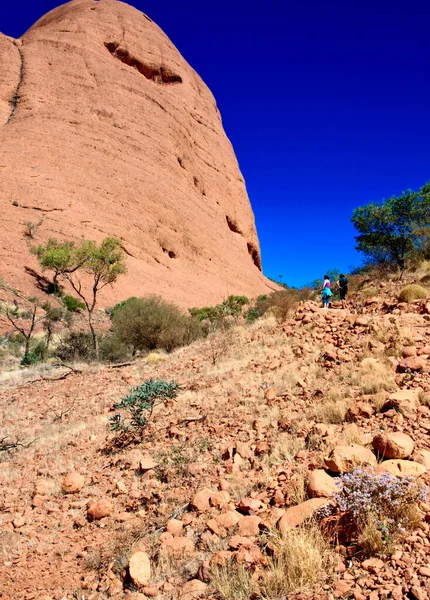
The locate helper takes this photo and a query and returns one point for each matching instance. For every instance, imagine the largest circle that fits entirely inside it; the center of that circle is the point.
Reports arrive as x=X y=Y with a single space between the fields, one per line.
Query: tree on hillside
x=102 y=264
x=394 y=230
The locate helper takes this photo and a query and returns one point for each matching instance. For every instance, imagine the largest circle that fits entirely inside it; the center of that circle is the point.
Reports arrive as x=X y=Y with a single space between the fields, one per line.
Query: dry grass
x=232 y=582
x=300 y=562
x=371 y=376
x=285 y=449
x=412 y=292
x=332 y=411
x=371 y=540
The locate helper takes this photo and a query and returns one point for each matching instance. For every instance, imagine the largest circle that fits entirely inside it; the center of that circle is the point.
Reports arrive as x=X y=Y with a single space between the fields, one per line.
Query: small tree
x=392 y=231
x=13 y=316
x=103 y=264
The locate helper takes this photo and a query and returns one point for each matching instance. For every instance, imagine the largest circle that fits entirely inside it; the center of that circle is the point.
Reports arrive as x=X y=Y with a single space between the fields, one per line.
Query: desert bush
x=112 y=349
x=217 y=315
x=29 y=358
x=73 y=304
x=135 y=410
x=76 y=346
x=150 y=323
x=412 y=292
x=282 y=302
x=425 y=280
x=333 y=411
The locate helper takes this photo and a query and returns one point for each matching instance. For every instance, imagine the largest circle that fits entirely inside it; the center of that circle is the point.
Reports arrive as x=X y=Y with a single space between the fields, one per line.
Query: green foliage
x=112 y=349
x=150 y=323
x=103 y=263
x=216 y=314
x=72 y=304
x=76 y=346
x=396 y=229
x=29 y=358
x=333 y=275
x=40 y=350
x=118 y=306
x=412 y=292
x=139 y=405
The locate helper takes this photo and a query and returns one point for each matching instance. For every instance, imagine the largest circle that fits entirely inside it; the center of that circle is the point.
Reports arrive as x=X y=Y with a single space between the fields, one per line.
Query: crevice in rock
x=181 y=162
x=44 y=210
x=255 y=255
x=170 y=253
x=16 y=96
x=127 y=251
x=233 y=226
x=160 y=75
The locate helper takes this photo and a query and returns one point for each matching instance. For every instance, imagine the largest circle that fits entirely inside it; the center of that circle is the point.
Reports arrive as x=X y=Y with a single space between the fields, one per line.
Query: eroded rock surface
x=106 y=130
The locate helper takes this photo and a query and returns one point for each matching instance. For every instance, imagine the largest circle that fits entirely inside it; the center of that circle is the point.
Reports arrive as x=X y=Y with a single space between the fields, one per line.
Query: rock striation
x=106 y=130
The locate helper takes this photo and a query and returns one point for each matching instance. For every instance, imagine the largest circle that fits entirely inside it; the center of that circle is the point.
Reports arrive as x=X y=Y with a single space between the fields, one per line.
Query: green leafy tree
x=394 y=230
x=101 y=265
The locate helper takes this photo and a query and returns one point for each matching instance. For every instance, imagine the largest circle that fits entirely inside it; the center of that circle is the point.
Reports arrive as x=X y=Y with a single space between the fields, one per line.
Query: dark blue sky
x=326 y=104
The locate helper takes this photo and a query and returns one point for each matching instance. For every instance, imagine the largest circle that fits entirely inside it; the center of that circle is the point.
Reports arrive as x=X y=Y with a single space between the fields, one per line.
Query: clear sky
x=327 y=104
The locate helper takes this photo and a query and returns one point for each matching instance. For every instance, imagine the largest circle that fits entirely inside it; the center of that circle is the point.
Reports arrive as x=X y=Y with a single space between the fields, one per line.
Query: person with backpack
x=326 y=292
x=343 y=288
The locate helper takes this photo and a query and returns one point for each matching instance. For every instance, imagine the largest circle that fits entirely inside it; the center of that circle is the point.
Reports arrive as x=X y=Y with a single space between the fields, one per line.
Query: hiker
x=326 y=292
x=342 y=284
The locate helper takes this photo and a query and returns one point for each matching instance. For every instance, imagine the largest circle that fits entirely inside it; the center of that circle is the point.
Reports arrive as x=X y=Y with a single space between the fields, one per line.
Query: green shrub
x=139 y=405
x=40 y=350
x=217 y=314
x=30 y=358
x=112 y=349
x=425 y=280
x=76 y=345
x=118 y=306
x=150 y=323
x=72 y=304
x=412 y=292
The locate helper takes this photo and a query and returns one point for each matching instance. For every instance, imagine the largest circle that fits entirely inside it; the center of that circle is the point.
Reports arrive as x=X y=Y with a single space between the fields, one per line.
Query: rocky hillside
x=106 y=130
x=217 y=500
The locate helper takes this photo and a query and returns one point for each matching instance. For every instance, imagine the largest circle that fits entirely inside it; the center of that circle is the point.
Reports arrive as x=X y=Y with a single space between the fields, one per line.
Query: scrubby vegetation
x=135 y=410
x=150 y=323
x=412 y=292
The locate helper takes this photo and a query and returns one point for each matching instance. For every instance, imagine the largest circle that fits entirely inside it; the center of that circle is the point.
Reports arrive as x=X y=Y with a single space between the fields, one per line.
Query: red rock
x=297 y=515
x=99 y=509
x=139 y=567
x=422 y=457
x=249 y=526
x=321 y=484
x=177 y=546
x=72 y=483
x=249 y=505
x=193 y=590
x=220 y=499
x=341 y=589
x=147 y=463
x=344 y=459
x=373 y=565
x=220 y=557
x=414 y=364
x=200 y=502
x=361 y=409
x=393 y=445
x=86 y=134
x=424 y=571
x=401 y=468
x=228 y=520
x=244 y=450
x=174 y=527
x=270 y=394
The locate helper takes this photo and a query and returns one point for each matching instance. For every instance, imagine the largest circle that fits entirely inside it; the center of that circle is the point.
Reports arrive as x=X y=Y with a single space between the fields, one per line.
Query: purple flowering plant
x=388 y=498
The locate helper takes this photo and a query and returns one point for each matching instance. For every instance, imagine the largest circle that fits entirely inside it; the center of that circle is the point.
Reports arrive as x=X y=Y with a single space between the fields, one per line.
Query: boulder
x=393 y=445
x=249 y=525
x=415 y=364
x=344 y=459
x=139 y=567
x=177 y=546
x=193 y=590
x=422 y=457
x=147 y=463
x=79 y=153
x=402 y=468
x=200 y=502
x=99 y=509
x=297 y=515
x=73 y=483
x=321 y=484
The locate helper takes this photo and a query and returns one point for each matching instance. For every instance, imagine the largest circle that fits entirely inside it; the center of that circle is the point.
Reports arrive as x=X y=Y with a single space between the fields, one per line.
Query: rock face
x=105 y=130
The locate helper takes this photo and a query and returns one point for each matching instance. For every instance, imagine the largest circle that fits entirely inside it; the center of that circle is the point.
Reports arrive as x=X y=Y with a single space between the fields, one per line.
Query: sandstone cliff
x=106 y=130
